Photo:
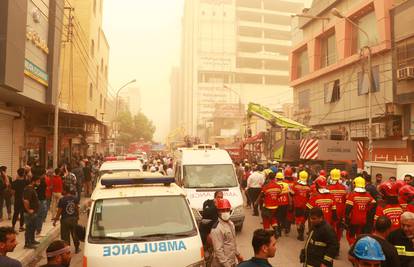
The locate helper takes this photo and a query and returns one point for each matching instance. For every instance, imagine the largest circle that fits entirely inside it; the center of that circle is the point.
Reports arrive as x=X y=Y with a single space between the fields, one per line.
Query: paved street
x=287 y=248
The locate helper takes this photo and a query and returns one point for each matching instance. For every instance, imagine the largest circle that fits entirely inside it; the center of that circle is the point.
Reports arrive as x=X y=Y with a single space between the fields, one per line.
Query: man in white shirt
x=254 y=186
x=170 y=171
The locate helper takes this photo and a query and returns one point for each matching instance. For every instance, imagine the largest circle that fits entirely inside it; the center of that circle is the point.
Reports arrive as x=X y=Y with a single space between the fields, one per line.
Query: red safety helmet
x=388 y=189
x=223 y=204
x=398 y=185
x=406 y=193
x=321 y=182
x=288 y=172
x=344 y=174
x=322 y=173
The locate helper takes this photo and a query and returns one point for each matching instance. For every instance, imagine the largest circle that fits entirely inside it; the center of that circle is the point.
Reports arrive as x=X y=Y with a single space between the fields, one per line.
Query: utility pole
x=69 y=36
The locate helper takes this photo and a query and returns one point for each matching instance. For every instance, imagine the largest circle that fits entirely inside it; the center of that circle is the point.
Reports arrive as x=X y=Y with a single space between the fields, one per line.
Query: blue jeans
x=30 y=221
x=41 y=215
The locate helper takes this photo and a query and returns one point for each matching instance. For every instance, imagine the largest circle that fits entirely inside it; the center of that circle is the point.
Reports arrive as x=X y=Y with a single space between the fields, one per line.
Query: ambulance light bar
x=121 y=158
x=137 y=181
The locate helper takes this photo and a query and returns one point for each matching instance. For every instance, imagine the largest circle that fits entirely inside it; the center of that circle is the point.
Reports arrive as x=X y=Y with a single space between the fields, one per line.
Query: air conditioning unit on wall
x=405 y=73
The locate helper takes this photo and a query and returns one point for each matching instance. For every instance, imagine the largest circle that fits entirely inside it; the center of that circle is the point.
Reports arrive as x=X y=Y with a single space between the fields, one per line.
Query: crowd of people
x=329 y=204
x=35 y=191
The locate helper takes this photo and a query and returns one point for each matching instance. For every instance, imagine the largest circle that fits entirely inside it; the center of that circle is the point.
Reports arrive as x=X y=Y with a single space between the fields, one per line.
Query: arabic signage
x=36 y=73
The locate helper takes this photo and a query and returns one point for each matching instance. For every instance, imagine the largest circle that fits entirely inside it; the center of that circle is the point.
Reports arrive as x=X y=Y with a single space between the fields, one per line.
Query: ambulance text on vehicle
x=141 y=219
x=201 y=171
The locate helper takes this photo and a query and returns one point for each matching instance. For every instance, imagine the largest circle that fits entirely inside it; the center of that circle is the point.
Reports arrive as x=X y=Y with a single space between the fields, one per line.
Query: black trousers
x=253 y=195
x=67 y=229
x=18 y=212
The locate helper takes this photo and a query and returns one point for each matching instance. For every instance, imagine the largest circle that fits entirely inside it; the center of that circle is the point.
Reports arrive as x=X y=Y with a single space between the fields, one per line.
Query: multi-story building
x=132 y=98
x=403 y=68
x=329 y=74
x=84 y=76
x=233 y=51
x=30 y=39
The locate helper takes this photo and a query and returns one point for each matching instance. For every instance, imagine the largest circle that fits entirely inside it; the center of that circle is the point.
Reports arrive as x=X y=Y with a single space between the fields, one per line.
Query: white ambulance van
x=141 y=219
x=119 y=163
x=204 y=169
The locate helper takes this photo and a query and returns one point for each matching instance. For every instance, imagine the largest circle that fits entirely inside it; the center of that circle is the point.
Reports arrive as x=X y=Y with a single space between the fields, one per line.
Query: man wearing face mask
x=58 y=254
x=223 y=236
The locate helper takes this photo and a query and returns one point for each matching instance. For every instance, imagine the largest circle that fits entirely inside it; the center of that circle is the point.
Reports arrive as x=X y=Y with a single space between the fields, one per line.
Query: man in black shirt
x=402 y=239
x=18 y=186
x=68 y=212
x=31 y=207
x=264 y=246
x=42 y=213
x=381 y=232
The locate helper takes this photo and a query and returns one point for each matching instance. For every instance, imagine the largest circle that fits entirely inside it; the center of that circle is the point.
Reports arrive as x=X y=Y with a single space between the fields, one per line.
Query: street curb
x=32 y=254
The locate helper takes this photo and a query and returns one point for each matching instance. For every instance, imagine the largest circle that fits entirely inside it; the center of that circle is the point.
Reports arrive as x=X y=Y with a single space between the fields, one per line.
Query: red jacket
x=271 y=193
x=326 y=202
x=393 y=212
x=358 y=204
x=301 y=195
x=57 y=184
x=339 y=193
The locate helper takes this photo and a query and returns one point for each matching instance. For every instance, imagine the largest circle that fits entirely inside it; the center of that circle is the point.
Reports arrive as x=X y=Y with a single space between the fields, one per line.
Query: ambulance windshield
x=141 y=219
x=209 y=176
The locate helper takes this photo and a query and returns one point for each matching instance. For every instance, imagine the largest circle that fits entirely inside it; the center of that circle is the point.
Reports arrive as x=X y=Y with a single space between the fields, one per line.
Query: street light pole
x=117 y=95
x=338 y=14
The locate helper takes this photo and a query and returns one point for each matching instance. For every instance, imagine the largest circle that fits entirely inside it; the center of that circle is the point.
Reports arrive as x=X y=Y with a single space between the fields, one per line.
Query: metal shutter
x=6 y=141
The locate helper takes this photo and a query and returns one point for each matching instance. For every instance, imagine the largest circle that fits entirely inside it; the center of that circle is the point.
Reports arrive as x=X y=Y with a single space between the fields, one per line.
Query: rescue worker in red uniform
x=301 y=193
x=391 y=207
x=359 y=209
x=283 y=201
x=406 y=196
x=270 y=197
x=339 y=193
x=324 y=200
x=290 y=213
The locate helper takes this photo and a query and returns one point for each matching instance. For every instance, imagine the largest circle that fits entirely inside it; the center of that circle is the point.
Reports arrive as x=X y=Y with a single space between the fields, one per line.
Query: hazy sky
x=144 y=38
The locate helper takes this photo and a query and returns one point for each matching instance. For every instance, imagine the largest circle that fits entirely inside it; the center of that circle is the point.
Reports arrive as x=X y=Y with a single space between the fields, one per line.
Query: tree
x=133 y=128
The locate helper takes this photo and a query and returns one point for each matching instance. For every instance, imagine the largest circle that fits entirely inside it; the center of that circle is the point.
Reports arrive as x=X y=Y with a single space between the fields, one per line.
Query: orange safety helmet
x=398 y=185
x=223 y=204
x=320 y=182
x=344 y=174
x=322 y=173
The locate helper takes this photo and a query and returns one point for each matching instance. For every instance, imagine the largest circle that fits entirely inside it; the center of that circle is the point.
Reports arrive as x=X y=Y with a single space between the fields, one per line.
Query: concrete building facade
x=84 y=76
x=329 y=75
x=29 y=65
x=233 y=51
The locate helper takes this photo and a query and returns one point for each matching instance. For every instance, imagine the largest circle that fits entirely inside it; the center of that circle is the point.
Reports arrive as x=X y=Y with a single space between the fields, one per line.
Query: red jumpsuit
x=327 y=203
x=339 y=193
x=290 y=213
x=271 y=192
x=301 y=195
x=358 y=205
x=393 y=212
x=283 y=201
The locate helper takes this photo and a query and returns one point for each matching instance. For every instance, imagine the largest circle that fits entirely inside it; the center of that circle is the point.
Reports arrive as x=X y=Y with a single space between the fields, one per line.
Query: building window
x=368 y=23
x=101 y=6
x=332 y=91
x=97 y=77
x=405 y=53
x=99 y=38
x=303 y=66
x=94 y=7
x=203 y=12
x=106 y=72
x=214 y=13
x=100 y=101
x=363 y=81
x=92 y=47
x=304 y=99
x=90 y=91
x=102 y=65
x=328 y=50
x=104 y=104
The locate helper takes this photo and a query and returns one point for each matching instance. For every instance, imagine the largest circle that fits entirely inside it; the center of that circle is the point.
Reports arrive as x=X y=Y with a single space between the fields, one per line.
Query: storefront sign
x=35 y=73
x=37 y=41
